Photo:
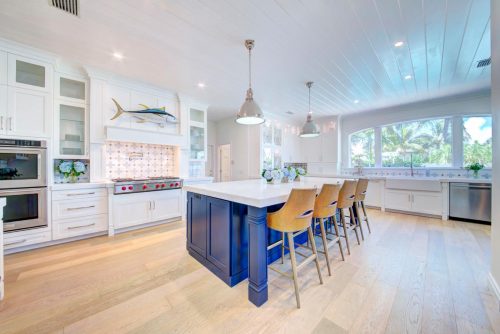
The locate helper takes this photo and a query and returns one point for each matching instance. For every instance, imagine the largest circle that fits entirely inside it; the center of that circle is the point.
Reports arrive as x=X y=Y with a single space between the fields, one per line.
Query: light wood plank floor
x=411 y=275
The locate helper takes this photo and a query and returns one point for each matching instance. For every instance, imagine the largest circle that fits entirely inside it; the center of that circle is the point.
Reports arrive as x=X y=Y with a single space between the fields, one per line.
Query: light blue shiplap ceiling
x=345 y=46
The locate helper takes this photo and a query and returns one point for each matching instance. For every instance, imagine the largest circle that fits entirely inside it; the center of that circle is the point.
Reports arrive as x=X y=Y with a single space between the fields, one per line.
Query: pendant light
x=250 y=113
x=310 y=129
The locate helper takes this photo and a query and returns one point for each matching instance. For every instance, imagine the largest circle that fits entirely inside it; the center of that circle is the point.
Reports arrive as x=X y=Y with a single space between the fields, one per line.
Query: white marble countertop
x=197 y=178
x=257 y=192
x=416 y=178
x=86 y=185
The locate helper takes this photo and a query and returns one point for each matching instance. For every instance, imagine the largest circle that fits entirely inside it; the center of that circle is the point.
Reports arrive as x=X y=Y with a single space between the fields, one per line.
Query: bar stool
x=293 y=219
x=359 y=199
x=346 y=201
x=325 y=208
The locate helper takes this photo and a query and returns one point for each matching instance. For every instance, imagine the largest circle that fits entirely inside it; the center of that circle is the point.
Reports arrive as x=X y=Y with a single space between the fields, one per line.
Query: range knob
x=144 y=186
x=176 y=184
x=124 y=188
x=171 y=185
x=130 y=187
x=163 y=185
x=157 y=186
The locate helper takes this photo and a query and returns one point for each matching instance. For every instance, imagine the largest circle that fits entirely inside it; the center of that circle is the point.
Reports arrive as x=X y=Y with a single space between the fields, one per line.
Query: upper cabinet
x=197 y=134
x=71 y=117
x=29 y=113
x=3 y=68
x=29 y=73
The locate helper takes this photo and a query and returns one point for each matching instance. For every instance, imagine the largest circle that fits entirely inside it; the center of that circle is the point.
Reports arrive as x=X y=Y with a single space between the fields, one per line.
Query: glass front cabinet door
x=71 y=118
x=197 y=135
x=29 y=73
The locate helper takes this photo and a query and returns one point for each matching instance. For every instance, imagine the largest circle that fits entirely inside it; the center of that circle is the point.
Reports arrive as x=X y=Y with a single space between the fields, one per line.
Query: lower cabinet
x=14 y=241
x=79 y=212
x=141 y=208
x=425 y=202
x=217 y=236
x=69 y=228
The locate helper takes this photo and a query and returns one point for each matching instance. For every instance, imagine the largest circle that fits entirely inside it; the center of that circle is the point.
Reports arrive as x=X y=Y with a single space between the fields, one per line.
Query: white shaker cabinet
x=398 y=200
x=29 y=113
x=3 y=68
x=141 y=208
x=422 y=202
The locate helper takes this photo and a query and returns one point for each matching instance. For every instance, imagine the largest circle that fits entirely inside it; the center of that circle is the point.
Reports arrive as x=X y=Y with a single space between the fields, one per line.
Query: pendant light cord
x=310 y=100
x=250 y=68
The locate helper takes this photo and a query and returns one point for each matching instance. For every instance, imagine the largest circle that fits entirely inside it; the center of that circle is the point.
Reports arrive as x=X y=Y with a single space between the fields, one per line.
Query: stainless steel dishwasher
x=470 y=201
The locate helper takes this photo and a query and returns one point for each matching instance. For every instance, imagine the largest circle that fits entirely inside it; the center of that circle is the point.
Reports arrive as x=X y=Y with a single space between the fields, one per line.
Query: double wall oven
x=23 y=182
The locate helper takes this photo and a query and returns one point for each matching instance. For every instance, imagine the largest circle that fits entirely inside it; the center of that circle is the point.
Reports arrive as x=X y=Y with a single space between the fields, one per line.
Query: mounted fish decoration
x=152 y=115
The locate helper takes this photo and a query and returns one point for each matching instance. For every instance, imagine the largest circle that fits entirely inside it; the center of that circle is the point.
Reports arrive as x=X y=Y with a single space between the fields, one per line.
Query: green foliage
x=427 y=142
x=476 y=166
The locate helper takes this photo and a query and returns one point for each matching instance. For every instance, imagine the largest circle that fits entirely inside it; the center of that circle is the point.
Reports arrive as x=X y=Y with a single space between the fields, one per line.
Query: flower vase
x=72 y=179
x=475 y=174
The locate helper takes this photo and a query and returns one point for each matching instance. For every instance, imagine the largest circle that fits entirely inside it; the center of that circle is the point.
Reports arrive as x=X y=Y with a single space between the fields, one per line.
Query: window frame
x=374 y=146
x=462 y=162
x=457 y=147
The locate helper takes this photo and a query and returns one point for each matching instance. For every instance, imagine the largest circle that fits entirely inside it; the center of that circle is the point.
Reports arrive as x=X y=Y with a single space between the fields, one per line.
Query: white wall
x=478 y=103
x=245 y=148
x=495 y=110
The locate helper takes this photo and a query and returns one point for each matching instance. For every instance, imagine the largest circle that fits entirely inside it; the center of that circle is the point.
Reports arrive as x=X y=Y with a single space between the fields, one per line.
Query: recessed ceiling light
x=408 y=77
x=201 y=84
x=356 y=101
x=118 y=55
x=399 y=44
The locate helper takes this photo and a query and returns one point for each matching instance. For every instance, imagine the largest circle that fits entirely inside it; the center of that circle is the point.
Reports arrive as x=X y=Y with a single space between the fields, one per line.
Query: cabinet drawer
x=79 y=208
x=78 y=193
x=80 y=226
x=26 y=239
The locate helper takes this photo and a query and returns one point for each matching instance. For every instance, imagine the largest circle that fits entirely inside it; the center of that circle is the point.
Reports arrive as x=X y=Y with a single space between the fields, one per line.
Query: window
x=363 y=148
x=427 y=143
x=477 y=140
x=272 y=137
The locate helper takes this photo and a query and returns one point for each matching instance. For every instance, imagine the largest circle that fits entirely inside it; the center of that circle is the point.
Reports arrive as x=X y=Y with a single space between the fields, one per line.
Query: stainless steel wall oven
x=23 y=182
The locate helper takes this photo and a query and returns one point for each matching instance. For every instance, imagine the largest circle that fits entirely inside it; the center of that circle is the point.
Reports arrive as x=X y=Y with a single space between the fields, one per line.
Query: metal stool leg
x=353 y=218
x=342 y=221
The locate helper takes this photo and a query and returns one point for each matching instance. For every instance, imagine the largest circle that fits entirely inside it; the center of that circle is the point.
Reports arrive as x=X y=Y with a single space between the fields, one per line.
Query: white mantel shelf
x=258 y=192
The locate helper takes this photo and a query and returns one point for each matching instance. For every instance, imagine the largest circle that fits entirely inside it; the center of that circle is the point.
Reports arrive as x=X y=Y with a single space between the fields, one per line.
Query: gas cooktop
x=137 y=185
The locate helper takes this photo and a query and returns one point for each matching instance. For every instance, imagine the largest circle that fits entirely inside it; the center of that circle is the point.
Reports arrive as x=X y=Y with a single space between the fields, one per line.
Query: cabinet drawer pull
x=81 y=207
x=15 y=242
x=81 y=194
x=75 y=227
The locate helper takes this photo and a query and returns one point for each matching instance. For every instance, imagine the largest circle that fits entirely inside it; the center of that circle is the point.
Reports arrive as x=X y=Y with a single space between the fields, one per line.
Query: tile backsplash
x=125 y=160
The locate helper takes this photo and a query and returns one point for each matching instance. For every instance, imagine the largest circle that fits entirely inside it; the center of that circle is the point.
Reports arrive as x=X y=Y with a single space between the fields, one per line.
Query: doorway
x=225 y=163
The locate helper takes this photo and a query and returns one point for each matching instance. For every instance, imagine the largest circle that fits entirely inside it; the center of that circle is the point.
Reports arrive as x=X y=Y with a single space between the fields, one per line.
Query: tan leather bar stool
x=346 y=201
x=359 y=199
x=292 y=219
x=325 y=208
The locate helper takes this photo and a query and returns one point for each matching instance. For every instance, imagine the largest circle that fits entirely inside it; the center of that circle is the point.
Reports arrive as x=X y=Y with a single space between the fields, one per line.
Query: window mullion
x=458 y=142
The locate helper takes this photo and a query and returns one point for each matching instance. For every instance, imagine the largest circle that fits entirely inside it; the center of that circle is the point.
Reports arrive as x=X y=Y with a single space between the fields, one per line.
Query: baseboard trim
x=494 y=285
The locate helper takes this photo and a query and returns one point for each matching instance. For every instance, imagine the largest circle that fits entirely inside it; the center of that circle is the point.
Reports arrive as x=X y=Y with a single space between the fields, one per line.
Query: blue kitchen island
x=227 y=230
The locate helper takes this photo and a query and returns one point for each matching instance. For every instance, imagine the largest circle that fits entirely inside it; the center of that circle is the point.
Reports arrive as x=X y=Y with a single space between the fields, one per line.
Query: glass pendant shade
x=250 y=112
x=310 y=129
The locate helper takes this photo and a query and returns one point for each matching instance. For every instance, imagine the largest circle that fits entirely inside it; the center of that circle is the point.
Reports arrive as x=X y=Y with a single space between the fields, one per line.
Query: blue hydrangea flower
x=292 y=174
x=301 y=171
x=65 y=166
x=267 y=174
x=79 y=166
x=285 y=172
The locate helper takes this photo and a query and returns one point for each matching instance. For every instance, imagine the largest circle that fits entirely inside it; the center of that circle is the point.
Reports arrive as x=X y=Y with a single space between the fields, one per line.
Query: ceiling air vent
x=289 y=112
x=484 y=62
x=69 y=6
